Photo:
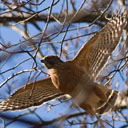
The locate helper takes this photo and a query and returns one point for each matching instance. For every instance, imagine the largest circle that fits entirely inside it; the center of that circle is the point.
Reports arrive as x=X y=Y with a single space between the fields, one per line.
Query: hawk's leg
x=92 y=113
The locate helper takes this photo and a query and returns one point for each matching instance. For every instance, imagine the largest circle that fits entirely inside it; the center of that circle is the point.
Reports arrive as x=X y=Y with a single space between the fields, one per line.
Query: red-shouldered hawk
x=75 y=77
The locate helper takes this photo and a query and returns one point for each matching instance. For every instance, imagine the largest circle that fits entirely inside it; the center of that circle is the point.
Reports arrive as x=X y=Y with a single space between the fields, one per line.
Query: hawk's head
x=51 y=61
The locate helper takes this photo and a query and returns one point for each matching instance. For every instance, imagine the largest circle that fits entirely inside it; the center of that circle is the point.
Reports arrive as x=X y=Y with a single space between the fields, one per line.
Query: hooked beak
x=43 y=60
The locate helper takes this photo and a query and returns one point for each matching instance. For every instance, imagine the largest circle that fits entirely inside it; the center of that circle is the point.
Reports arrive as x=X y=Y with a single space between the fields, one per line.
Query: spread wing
x=43 y=92
x=94 y=54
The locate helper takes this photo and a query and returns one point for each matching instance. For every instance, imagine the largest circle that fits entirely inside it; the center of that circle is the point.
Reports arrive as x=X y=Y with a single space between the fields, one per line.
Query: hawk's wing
x=43 y=92
x=94 y=54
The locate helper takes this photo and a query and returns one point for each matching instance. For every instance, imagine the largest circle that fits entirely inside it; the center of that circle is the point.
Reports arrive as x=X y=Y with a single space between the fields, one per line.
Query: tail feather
x=101 y=100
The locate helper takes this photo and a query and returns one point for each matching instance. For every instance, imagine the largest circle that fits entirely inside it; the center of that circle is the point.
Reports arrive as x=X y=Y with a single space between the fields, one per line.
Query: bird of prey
x=75 y=77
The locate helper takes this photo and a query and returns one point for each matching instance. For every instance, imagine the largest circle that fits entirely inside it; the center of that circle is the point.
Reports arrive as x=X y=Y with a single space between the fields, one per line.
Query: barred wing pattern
x=94 y=54
x=43 y=92
x=92 y=57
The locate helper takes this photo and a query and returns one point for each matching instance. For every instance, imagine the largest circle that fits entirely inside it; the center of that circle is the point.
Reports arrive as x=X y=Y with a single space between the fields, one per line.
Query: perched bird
x=75 y=77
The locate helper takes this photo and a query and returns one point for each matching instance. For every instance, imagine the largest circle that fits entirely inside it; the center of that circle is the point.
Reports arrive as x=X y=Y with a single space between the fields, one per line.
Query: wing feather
x=43 y=91
x=94 y=54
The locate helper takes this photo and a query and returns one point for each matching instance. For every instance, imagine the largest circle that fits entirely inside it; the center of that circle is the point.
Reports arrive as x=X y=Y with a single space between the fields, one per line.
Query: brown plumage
x=76 y=77
x=22 y=98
